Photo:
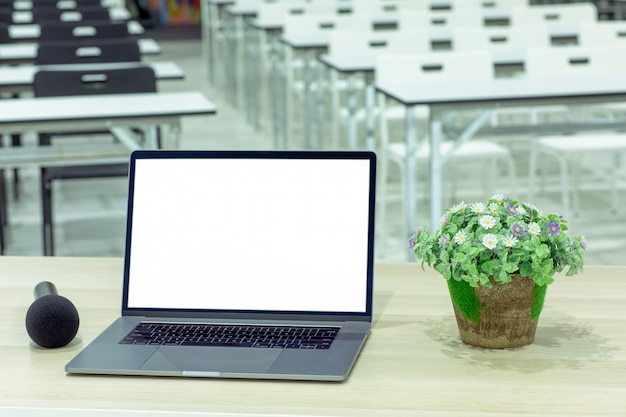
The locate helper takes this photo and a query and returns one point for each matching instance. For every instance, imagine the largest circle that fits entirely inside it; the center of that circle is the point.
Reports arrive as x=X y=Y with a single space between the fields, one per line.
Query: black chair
x=81 y=52
x=6 y=14
x=87 y=32
x=4 y=33
x=49 y=83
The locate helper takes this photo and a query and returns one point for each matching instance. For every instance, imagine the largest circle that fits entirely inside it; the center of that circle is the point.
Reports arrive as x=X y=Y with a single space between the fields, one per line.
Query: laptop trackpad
x=203 y=359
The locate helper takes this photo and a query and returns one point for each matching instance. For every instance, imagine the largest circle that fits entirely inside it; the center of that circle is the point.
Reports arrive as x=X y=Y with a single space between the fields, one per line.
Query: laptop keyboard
x=283 y=337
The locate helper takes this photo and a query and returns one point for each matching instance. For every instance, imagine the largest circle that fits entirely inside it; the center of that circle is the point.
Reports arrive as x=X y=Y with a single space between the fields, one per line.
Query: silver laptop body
x=277 y=241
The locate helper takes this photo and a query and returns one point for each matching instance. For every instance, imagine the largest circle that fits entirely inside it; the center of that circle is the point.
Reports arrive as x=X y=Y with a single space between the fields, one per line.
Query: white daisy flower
x=534 y=229
x=487 y=221
x=493 y=207
x=459 y=207
x=498 y=197
x=460 y=237
x=478 y=208
x=510 y=241
x=490 y=241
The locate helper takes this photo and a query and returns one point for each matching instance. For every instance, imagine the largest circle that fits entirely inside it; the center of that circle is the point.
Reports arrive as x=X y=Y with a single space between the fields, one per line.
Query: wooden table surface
x=413 y=364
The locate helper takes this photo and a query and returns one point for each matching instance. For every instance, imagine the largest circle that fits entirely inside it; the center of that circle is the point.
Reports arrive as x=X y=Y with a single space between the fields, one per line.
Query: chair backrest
x=575 y=61
x=316 y=23
x=6 y=14
x=55 y=83
x=367 y=43
x=442 y=67
x=74 y=15
x=562 y=13
x=4 y=34
x=80 y=52
x=519 y=36
x=87 y=31
x=605 y=32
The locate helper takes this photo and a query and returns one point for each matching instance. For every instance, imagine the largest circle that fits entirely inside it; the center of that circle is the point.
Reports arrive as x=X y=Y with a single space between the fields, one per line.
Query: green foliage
x=497 y=239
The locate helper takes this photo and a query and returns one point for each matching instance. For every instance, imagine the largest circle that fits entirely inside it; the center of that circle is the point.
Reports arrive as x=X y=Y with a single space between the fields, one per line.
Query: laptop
x=243 y=264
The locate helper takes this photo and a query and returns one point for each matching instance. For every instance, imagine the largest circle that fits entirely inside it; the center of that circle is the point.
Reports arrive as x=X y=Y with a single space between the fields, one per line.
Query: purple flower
x=414 y=237
x=512 y=210
x=444 y=241
x=554 y=228
x=517 y=229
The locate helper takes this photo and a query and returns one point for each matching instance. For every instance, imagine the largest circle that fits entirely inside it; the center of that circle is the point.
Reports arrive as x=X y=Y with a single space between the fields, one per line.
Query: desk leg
x=370 y=140
x=410 y=195
x=351 y=102
x=274 y=87
x=320 y=105
x=306 y=100
x=435 y=173
x=287 y=112
x=208 y=36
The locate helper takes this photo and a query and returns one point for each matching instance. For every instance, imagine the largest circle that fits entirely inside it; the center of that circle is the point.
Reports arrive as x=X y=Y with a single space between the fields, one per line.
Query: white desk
x=353 y=66
x=113 y=112
x=414 y=364
x=32 y=31
x=311 y=45
x=490 y=94
x=100 y=111
x=20 y=77
x=27 y=52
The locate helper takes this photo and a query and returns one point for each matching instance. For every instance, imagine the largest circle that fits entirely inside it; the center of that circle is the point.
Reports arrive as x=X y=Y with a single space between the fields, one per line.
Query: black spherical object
x=52 y=321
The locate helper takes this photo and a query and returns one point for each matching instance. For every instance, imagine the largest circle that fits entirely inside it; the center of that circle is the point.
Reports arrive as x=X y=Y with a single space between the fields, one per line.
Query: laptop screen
x=250 y=231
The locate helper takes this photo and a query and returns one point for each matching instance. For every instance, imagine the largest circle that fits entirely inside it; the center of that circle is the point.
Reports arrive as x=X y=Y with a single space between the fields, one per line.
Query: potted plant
x=498 y=258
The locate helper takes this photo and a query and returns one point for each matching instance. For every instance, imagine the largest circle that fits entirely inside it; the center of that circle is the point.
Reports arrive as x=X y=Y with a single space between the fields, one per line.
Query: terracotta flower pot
x=503 y=316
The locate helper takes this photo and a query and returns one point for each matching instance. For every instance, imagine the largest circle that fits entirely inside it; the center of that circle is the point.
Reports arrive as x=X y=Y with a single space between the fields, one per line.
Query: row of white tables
x=492 y=94
x=115 y=112
x=310 y=46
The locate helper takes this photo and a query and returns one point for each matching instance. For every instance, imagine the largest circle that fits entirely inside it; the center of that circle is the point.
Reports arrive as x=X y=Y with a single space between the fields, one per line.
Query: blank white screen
x=250 y=234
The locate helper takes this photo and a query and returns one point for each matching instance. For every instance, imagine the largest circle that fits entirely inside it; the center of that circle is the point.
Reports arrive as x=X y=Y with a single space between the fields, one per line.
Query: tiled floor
x=90 y=214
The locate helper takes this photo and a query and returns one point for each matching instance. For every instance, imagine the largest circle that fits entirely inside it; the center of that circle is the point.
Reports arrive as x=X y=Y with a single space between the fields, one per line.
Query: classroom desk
x=114 y=112
x=20 y=78
x=505 y=61
x=96 y=112
x=31 y=32
x=413 y=364
x=13 y=53
x=497 y=92
x=311 y=45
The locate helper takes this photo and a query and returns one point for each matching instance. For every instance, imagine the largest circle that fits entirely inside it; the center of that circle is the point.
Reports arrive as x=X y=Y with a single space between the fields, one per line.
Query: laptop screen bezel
x=252 y=314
